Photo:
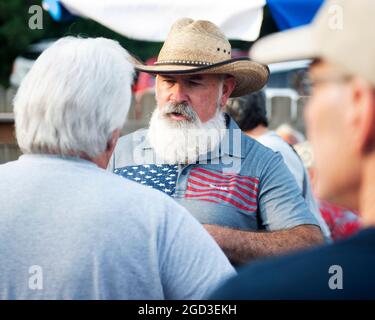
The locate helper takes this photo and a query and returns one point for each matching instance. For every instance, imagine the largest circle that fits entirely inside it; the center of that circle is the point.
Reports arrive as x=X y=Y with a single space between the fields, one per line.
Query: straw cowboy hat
x=199 y=47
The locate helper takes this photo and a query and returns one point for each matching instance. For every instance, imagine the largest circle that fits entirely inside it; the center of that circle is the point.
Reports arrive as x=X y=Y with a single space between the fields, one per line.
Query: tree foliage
x=16 y=36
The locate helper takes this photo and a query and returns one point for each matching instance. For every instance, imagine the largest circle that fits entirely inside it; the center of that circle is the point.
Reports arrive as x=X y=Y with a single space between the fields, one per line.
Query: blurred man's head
x=195 y=77
x=340 y=113
x=74 y=100
x=335 y=130
x=249 y=111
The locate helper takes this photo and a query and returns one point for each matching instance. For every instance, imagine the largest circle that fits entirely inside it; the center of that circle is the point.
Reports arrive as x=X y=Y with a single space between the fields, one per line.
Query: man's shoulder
x=7 y=167
x=275 y=142
x=248 y=156
x=136 y=202
x=255 y=147
x=248 y=144
x=256 y=156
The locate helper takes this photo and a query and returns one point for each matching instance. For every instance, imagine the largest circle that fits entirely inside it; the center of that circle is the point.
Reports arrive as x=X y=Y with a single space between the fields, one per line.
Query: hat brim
x=250 y=76
x=296 y=44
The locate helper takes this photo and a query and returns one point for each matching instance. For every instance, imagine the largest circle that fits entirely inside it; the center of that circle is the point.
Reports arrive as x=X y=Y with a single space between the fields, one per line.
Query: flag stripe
x=226 y=183
x=212 y=194
x=208 y=188
x=253 y=180
x=236 y=179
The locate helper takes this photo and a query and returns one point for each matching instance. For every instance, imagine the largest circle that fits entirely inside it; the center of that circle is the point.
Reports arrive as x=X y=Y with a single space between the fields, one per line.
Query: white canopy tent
x=151 y=20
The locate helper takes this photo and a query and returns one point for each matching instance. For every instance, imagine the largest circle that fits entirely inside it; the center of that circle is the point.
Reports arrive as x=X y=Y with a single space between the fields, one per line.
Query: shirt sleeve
x=192 y=264
x=281 y=204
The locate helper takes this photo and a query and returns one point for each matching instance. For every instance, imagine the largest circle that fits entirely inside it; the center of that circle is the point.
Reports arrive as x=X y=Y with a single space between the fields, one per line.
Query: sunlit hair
x=76 y=94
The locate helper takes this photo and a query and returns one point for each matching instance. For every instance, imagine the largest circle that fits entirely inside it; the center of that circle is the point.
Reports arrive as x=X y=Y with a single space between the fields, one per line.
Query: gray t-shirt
x=70 y=230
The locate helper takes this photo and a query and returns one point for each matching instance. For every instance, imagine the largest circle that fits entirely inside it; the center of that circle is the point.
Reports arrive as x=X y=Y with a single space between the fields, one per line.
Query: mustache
x=183 y=109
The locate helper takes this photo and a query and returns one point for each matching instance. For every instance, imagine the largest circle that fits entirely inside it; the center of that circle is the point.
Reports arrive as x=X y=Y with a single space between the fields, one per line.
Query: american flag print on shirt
x=162 y=177
x=231 y=189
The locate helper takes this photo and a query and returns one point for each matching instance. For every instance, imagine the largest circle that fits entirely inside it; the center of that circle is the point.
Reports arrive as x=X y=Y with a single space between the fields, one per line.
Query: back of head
x=249 y=111
x=76 y=94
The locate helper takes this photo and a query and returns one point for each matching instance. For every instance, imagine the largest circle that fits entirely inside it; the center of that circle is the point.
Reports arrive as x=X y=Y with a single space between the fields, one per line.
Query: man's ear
x=111 y=144
x=103 y=159
x=364 y=117
x=228 y=86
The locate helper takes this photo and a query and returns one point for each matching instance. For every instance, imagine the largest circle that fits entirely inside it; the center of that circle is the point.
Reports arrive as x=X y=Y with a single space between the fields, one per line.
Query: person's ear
x=228 y=86
x=111 y=144
x=103 y=159
x=363 y=115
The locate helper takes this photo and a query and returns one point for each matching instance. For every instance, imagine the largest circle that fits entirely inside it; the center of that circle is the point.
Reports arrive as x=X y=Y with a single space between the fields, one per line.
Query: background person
x=81 y=228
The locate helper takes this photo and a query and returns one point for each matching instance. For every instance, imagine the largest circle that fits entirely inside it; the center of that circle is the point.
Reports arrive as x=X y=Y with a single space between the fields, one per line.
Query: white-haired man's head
x=76 y=95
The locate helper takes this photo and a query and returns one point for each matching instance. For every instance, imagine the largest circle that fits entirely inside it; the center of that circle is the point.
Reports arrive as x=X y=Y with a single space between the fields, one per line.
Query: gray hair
x=76 y=94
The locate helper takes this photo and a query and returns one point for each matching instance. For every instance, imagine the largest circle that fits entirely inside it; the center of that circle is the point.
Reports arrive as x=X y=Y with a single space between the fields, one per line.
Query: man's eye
x=194 y=83
x=169 y=81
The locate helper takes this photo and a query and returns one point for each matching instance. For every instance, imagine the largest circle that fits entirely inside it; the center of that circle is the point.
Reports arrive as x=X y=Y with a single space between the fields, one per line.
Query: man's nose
x=179 y=94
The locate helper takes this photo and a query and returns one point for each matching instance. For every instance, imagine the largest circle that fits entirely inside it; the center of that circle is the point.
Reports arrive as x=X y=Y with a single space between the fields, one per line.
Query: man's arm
x=282 y=211
x=242 y=246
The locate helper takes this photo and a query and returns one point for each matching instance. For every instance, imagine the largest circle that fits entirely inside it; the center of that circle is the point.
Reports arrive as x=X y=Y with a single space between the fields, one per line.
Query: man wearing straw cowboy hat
x=195 y=153
x=340 y=118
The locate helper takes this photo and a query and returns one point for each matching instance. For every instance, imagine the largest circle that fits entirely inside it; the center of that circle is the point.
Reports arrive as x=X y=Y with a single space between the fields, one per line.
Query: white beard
x=184 y=142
